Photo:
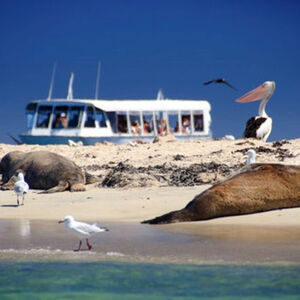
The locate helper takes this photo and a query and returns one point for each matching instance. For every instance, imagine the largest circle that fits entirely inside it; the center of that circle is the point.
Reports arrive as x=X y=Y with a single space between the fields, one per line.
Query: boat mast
x=70 y=89
x=51 y=83
x=97 y=80
x=160 y=95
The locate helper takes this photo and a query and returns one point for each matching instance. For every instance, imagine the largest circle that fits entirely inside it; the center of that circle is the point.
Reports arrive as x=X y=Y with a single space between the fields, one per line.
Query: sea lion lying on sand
x=257 y=188
x=44 y=170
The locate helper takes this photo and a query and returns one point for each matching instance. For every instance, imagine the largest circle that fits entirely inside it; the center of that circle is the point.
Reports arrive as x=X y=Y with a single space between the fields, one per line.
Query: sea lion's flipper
x=9 y=185
x=77 y=187
x=61 y=187
x=89 y=178
x=171 y=217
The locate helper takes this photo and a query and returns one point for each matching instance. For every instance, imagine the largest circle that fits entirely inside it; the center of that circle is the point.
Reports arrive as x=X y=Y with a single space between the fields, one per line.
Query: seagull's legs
x=18 y=200
x=79 y=246
x=88 y=244
x=23 y=196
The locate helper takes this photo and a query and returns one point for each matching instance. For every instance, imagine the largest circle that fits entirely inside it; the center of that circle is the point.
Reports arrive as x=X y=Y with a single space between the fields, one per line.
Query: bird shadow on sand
x=10 y=205
x=81 y=250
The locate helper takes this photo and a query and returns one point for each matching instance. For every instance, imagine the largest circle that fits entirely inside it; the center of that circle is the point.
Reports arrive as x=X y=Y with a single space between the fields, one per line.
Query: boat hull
x=63 y=140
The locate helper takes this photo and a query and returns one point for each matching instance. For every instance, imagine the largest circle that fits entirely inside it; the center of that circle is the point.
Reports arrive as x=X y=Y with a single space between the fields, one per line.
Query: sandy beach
x=265 y=237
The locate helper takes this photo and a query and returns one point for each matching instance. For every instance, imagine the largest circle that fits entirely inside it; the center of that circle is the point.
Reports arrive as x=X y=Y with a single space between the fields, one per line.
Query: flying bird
x=251 y=157
x=259 y=127
x=21 y=187
x=220 y=80
x=82 y=230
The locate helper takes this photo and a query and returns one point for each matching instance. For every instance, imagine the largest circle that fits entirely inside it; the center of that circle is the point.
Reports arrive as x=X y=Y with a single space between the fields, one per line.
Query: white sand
x=31 y=232
x=138 y=204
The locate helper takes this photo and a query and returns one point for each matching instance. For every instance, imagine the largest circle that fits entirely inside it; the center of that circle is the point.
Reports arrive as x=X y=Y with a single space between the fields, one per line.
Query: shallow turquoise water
x=114 y=280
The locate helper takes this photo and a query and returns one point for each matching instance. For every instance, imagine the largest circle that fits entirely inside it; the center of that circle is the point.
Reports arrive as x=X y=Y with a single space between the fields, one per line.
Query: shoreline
x=31 y=232
x=135 y=243
x=268 y=237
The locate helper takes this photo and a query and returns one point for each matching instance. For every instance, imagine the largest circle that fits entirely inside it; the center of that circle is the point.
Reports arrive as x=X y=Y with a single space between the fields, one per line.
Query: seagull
x=82 y=230
x=21 y=187
x=259 y=127
x=251 y=157
x=220 y=80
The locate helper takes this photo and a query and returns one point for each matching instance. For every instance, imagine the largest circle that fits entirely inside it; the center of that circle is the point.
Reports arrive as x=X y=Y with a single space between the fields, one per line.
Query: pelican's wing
x=253 y=126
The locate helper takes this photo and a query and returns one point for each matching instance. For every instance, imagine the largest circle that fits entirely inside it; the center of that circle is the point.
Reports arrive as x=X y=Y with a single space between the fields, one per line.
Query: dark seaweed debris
x=260 y=149
x=279 y=152
x=178 y=157
x=280 y=143
x=196 y=174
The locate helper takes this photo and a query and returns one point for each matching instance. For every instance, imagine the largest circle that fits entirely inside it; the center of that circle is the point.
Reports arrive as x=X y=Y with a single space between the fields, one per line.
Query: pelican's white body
x=264 y=130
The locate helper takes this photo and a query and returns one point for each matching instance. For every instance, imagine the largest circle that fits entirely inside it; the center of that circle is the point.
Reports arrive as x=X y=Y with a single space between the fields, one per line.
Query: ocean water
x=115 y=280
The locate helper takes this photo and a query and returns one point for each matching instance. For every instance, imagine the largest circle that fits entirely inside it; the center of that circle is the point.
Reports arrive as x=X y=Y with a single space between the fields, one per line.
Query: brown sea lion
x=257 y=188
x=43 y=170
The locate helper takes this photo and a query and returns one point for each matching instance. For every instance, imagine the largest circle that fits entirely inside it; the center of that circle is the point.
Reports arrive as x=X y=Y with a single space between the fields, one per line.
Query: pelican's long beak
x=254 y=95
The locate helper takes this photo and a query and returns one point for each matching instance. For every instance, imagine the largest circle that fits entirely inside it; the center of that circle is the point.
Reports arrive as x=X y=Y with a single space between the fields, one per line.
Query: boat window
x=134 y=118
x=75 y=113
x=60 y=117
x=173 y=121
x=43 y=118
x=90 y=117
x=198 y=122
x=31 y=107
x=122 y=123
x=148 y=123
x=100 y=118
x=30 y=111
x=186 y=122
x=112 y=117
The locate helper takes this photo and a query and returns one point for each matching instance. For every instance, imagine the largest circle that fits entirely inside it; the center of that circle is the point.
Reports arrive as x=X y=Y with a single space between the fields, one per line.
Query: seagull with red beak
x=82 y=230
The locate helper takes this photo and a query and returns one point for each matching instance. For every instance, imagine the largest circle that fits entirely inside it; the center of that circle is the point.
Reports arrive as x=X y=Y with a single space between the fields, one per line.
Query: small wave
x=112 y=253
x=34 y=251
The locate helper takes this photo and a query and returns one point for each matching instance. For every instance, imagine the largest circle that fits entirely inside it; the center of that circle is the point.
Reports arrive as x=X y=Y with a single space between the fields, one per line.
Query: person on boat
x=162 y=127
x=61 y=121
x=135 y=128
x=186 y=125
x=176 y=129
x=147 y=127
x=199 y=123
x=122 y=126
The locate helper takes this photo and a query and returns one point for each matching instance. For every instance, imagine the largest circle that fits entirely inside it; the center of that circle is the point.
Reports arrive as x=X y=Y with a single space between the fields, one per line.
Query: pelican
x=260 y=126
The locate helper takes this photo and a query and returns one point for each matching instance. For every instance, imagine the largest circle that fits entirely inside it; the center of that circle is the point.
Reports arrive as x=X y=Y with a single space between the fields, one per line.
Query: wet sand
x=31 y=232
x=36 y=240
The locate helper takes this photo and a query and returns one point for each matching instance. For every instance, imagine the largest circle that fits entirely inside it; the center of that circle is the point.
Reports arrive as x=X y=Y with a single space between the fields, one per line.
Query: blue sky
x=147 y=45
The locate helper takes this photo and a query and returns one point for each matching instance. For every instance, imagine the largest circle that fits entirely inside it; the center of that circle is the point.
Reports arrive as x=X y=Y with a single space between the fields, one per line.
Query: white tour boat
x=56 y=121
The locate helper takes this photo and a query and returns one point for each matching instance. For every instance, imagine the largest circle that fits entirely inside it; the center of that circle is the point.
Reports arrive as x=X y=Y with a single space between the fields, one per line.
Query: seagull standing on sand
x=21 y=187
x=82 y=230
x=251 y=156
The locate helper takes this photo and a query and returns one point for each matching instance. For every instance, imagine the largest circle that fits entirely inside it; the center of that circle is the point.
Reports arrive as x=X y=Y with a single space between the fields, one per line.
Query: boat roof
x=136 y=105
